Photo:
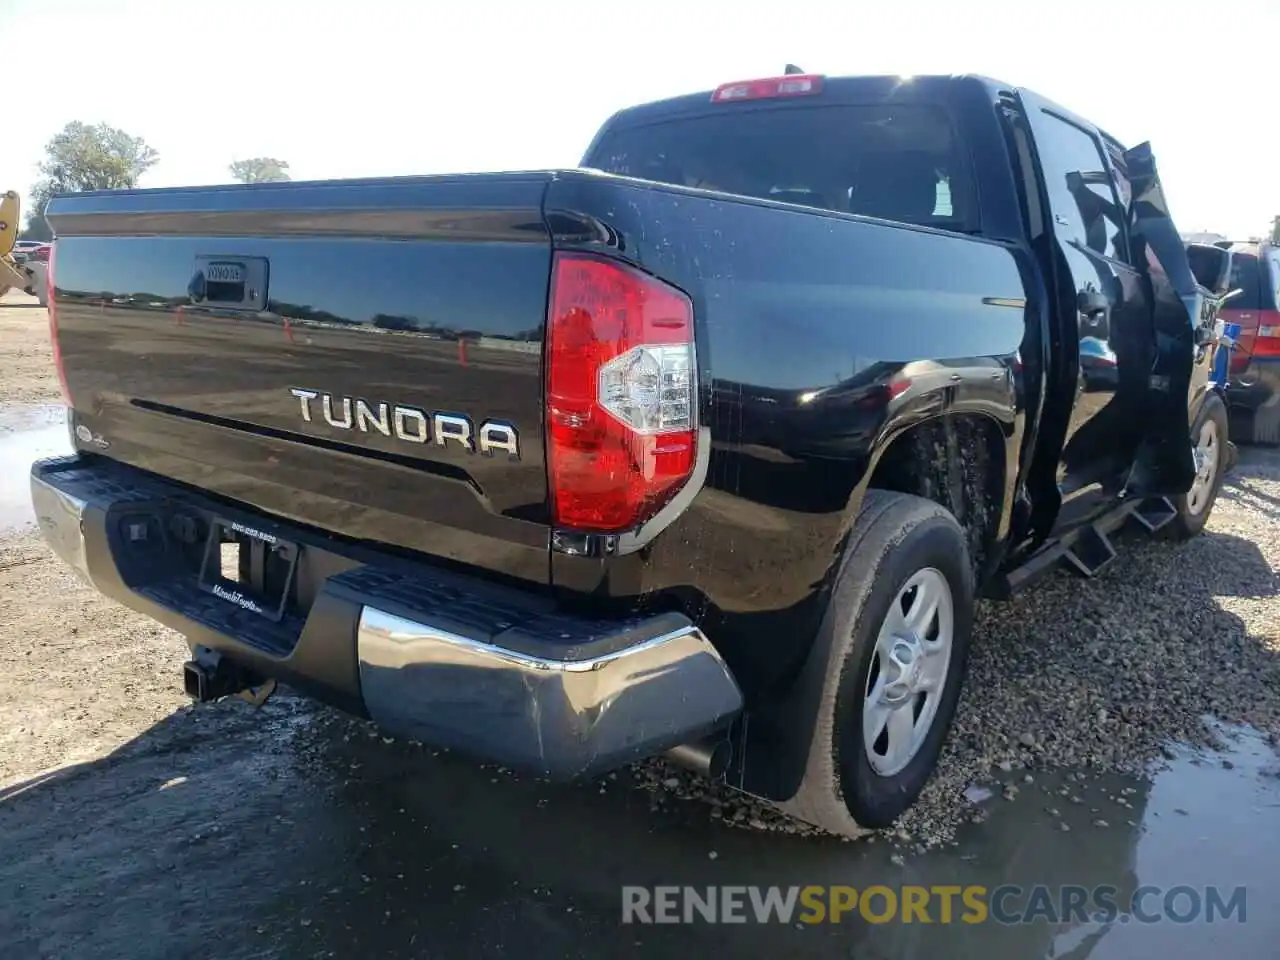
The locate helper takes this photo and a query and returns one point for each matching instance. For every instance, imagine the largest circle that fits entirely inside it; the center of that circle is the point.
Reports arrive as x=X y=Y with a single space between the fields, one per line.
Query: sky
x=393 y=87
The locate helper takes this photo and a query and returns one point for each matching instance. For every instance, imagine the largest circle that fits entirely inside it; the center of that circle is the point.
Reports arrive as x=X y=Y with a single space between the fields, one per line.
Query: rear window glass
x=1205 y=263
x=1246 y=276
x=896 y=162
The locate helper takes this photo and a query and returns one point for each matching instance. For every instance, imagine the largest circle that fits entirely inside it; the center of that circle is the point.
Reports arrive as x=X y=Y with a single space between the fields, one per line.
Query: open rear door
x=1140 y=360
x=1183 y=332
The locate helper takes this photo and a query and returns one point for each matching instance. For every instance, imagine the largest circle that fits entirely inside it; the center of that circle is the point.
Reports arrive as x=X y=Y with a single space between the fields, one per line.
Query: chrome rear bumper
x=561 y=716
x=528 y=687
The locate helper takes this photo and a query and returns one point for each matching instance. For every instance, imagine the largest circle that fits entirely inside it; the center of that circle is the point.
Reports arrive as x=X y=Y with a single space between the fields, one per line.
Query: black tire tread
x=1184 y=526
x=885 y=519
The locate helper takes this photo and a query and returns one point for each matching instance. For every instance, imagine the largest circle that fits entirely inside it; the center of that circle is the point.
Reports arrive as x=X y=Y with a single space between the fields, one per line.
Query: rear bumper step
x=450 y=660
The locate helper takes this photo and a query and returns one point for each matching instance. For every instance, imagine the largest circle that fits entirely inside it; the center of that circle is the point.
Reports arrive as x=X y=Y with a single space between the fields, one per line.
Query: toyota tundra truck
x=704 y=449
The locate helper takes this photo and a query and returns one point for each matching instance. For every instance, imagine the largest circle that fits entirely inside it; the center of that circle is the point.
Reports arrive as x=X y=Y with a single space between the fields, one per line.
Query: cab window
x=1081 y=189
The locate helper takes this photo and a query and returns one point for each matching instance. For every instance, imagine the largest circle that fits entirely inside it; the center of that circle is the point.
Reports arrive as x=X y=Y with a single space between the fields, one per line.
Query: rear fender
x=777 y=738
x=946 y=466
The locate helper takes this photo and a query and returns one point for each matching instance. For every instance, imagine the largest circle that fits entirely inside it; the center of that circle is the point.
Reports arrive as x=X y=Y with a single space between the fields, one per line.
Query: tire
x=1194 y=506
x=896 y=539
x=1264 y=425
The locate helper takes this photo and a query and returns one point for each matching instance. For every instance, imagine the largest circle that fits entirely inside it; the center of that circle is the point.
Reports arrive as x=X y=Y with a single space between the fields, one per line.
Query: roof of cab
x=834 y=89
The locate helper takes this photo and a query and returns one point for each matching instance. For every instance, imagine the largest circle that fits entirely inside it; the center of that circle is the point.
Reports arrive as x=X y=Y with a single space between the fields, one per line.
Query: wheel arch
x=964 y=460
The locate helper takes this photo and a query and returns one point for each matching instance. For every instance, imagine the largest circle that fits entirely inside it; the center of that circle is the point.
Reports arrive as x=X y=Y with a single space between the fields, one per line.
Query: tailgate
x=361 y=356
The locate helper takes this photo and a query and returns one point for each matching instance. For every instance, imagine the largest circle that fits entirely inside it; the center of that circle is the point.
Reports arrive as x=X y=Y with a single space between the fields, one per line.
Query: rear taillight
x=52 y=306
x=792 y=85
x=621 y=394
x=1267 y=341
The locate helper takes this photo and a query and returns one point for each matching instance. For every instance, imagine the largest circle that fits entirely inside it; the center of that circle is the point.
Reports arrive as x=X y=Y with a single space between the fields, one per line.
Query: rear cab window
x=895 y=161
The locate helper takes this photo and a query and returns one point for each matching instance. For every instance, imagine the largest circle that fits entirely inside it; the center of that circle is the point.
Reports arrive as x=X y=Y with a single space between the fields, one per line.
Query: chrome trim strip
x=397 y=630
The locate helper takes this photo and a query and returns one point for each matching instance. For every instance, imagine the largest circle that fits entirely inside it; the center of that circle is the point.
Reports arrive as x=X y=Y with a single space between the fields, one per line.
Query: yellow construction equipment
x=11 y=275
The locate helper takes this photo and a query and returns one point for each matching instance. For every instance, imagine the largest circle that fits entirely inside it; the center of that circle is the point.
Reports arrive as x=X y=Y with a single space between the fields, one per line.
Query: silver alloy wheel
x=1206 y=452
x=908 y=671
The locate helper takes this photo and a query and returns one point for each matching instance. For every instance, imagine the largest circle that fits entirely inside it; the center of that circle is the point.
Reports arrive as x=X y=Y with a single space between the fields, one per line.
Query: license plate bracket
x=249 y=568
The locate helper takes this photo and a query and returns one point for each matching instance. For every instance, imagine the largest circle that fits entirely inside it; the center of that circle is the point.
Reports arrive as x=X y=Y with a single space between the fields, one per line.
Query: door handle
x=1092 y=303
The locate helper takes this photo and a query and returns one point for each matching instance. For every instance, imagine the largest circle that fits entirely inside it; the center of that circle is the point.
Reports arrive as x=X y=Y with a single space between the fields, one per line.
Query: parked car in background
x=1253 y=391
x=36 y=267
x=23 y=249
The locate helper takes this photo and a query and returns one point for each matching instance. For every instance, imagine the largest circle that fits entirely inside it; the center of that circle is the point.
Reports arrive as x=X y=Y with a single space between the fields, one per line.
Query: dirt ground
x=132 y=825
x=28 y=375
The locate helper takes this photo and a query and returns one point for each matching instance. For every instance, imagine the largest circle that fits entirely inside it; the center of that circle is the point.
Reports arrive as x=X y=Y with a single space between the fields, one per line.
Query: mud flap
x=1164 y=465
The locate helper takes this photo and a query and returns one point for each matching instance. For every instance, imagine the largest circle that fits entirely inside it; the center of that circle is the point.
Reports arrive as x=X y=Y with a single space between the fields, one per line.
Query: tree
x=260 y=170
x=84 y=156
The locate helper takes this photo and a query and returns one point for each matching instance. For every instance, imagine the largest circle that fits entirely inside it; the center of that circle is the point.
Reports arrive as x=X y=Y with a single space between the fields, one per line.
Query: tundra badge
x=411 y=424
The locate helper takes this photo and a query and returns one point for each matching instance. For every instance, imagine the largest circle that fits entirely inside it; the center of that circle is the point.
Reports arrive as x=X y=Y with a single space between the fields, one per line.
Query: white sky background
x=388 y=87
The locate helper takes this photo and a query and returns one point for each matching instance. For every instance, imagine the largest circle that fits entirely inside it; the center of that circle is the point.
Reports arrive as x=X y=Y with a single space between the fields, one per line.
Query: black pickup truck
x=704 y=449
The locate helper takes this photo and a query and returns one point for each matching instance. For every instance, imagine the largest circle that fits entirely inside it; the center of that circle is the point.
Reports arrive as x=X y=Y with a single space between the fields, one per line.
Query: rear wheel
x=896 y=637
x=1209 y=450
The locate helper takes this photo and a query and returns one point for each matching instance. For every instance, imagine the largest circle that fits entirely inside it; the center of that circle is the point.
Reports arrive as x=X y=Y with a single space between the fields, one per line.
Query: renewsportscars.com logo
x=940 y=903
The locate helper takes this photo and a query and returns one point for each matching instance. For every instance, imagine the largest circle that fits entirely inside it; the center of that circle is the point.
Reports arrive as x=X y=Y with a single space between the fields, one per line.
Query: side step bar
x=1087 y=550
x=1090 y=552
x=1154 y=513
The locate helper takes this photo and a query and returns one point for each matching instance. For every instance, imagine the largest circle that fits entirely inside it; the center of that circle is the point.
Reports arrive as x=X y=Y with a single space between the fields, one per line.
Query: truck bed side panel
x=803 y=319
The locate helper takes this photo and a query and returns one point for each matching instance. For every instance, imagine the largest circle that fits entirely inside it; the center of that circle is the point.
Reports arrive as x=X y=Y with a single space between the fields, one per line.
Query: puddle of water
x=25 y=417
x=27 y=433
x=1211 y=819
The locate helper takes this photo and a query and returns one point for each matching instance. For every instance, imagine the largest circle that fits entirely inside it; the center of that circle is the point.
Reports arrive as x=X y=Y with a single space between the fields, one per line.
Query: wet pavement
x=27 y=432
x=292 y=832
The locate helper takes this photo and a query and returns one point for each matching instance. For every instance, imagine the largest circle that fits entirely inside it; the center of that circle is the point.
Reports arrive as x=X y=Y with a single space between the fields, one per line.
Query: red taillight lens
x=792 y=85
x=42 y=254
x=621 y=394
x=1267 y=341
x=51 y=299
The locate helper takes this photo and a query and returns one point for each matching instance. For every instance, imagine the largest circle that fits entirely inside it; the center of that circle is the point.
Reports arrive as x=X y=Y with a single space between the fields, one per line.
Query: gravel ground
x=1100 y=677
x=28 y=375
x=1095 y=676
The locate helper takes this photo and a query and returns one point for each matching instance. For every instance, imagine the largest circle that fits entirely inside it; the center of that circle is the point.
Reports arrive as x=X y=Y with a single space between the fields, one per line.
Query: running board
x=1090 y=552
x=1154 y=512
x=1087 y=550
